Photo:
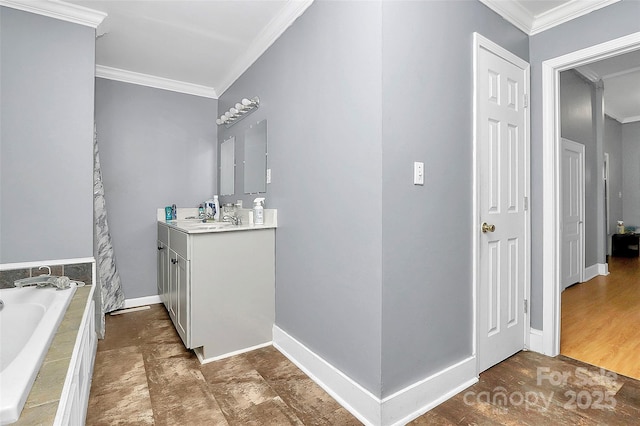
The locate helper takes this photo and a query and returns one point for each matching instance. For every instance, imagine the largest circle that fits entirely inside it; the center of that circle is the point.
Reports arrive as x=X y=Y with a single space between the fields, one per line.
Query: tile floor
x=144 y=376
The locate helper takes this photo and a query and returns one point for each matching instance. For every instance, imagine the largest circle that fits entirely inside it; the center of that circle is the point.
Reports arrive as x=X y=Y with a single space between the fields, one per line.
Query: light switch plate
x=418 y=173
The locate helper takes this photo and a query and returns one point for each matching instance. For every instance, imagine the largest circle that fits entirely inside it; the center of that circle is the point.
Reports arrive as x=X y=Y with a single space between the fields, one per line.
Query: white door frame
x=551 y=154
x=481 y=42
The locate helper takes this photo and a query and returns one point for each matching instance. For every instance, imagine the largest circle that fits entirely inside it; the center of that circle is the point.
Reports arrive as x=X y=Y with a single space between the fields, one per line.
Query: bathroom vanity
x=217 y=282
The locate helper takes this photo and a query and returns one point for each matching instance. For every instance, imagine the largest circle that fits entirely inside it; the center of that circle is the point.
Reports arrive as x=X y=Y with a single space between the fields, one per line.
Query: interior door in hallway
x=502 y=170
x=572 y=210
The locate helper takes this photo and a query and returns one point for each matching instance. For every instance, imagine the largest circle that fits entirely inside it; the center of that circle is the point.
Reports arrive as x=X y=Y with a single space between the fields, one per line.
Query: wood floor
x=601 y=319
x=144 y=376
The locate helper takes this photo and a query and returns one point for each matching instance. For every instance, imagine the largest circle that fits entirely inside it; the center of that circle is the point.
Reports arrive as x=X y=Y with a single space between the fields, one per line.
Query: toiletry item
x=258 y=211
x=168 y=213
x=209 y=208
x=238 y=204
x=201 y=212
x=620 y=227
x=228 y=209
x=216 y=206
x=174 y=212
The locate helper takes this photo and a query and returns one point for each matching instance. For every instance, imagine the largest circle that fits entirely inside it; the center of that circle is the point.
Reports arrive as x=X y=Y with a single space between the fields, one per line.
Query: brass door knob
x=488 y=228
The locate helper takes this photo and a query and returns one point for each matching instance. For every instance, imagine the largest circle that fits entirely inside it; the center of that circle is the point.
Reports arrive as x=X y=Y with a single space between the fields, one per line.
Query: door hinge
x=526 y=203
x=525 y=100
x=526 y=306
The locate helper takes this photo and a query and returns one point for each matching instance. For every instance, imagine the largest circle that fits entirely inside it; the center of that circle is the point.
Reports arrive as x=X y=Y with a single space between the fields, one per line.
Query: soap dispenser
x=258 y=211
x=216 y=205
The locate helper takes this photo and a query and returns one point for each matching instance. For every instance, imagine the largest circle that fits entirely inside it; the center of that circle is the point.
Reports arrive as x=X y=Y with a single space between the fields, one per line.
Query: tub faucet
x=236 y=220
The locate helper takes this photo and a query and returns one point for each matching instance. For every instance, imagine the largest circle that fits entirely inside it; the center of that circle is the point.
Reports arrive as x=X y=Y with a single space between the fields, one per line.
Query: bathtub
x=28 y=322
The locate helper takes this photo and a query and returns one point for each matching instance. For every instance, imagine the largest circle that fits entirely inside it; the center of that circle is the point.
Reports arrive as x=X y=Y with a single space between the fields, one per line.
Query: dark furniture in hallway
x=625 y=245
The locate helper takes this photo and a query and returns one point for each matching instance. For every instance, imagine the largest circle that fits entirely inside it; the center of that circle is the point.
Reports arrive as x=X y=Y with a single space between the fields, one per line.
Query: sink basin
x=204 y=226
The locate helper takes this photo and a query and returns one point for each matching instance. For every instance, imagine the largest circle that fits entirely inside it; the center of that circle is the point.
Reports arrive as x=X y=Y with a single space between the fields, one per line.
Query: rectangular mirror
x=227 y=166
x=255 y=158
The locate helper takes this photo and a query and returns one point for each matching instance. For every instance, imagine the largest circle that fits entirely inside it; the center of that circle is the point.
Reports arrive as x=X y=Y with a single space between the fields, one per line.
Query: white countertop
x=197 y=226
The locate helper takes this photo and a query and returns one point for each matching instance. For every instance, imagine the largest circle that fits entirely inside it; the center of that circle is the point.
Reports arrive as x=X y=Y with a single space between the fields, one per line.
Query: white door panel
x=572 y=212
x=502 y=172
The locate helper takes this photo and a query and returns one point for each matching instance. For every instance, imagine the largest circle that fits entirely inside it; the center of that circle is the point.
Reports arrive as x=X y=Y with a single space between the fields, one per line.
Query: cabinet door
x=163 y=272
x=172 y=292
x=183 y=308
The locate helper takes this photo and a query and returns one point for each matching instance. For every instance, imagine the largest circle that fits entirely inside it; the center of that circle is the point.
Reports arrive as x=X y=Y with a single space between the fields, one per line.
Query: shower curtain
x=109 y=287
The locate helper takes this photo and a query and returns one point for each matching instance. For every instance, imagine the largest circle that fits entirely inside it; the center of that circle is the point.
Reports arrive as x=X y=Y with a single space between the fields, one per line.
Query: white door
x=572 y=212
x=502 y=173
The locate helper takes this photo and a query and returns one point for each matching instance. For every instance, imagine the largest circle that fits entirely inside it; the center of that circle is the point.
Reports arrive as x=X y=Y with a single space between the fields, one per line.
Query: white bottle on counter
x=258 y=211
x=216 y=203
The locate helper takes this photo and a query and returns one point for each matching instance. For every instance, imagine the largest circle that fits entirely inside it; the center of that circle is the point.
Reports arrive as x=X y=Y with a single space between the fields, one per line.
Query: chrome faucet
x=236 y=220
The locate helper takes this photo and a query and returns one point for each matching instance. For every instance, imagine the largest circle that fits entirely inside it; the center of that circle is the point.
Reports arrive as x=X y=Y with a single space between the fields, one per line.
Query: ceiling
x=195 y=46
x=621 y=78
x=202 y=46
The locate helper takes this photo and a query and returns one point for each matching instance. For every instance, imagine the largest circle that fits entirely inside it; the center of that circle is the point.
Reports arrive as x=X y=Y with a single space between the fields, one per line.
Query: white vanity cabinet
x=163 y=263
x=220 y=288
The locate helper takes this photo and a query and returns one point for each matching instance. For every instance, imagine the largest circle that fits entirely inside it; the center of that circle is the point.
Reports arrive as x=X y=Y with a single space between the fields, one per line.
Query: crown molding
x=59 y=10
x=621 y=120
x=566 y=12
x=291 y=11
x=513 y=12
x=621 y=73
x=519 y=16
x=155 y=82
x=630 y=119
x=588 y=73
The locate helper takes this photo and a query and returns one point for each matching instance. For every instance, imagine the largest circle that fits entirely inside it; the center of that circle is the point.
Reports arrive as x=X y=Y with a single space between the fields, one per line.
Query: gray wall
x=157 y=148
x=605 y=24
x=613 y=146
x=325 y=157
x=427 y=116
x=342 y=181
x=631 y=173
x=577 y=110
x=46 y=138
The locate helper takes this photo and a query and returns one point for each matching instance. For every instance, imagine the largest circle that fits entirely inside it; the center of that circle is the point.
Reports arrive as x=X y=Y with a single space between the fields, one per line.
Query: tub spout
x=44 y=280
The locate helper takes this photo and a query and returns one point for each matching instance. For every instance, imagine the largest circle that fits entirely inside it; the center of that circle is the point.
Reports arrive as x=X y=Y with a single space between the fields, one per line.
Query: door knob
x=488 y=228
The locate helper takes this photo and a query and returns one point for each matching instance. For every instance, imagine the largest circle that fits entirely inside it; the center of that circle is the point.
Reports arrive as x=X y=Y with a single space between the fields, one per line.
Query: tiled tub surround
x=28 y=321
x=66 y=371
x=76 y=272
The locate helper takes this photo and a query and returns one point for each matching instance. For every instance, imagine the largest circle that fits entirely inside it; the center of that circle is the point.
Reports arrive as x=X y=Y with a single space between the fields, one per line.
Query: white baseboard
x=415 y=400
x=141 y=301
x=199 y=353
x=603 y=269
x=593 y=271
x=535 y=341
x=356 y=399
x=395 y=409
